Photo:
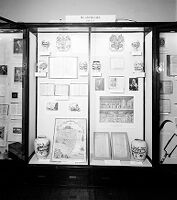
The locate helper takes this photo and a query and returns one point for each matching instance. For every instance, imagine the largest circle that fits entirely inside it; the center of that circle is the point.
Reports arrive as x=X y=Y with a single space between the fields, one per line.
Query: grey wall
x=46 y=10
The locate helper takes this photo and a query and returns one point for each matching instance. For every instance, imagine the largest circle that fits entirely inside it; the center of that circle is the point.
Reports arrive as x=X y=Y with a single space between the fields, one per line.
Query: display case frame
x=90 y=26
x=154 y=27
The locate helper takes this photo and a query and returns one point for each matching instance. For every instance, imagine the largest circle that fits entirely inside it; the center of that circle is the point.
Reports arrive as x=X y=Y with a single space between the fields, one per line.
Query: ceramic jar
x=41 y=147
x=139 y=149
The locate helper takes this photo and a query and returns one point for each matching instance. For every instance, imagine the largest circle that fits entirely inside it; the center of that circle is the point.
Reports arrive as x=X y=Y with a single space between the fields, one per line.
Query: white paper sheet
x=47 y=89
x=63 y=67
x=79 y=89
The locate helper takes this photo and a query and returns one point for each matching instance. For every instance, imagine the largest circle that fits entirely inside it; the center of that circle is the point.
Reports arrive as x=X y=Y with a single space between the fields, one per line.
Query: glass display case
x=11 y=90
x=90 y=94
x=167 y=94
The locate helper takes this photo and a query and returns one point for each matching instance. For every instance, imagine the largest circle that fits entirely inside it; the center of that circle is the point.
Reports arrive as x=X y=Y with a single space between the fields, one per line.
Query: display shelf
x=35 y=161
x=130 y=163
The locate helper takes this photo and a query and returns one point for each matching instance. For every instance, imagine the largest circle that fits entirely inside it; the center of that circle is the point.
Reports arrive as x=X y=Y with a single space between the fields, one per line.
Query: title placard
x=90 y=18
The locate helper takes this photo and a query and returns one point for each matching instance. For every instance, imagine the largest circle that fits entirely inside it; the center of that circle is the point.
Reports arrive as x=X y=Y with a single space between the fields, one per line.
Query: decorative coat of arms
x=117 y=42
x=63 y=42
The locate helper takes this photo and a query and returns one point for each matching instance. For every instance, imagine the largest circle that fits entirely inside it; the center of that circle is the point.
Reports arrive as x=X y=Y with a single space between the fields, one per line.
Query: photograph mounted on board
x=18 y=46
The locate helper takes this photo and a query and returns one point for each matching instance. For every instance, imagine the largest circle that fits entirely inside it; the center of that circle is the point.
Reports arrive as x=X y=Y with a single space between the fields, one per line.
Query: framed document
x=63 y=67
x=120 y=146
x=101 y=144
x=69 y=141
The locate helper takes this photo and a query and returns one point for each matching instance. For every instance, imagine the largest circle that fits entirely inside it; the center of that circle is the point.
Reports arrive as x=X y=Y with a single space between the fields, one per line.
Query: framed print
x=18 y=46
x=120 y=146
x=4 y=108
x=15 y=131
x=116 y=109
x=133 y=84
x=99 y=84
x=63 y=67
x=165 y=106
x=18 y=74
x=102 y=150
x=166 y=87
x=171 y=65
x=16 y=108
x=79 y=89
x=117 y=84
x=3 y=69
x=2 y=135
x=70 y=140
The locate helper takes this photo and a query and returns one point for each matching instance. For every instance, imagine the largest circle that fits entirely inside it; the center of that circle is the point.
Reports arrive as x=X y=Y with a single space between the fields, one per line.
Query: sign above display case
x=90 y=18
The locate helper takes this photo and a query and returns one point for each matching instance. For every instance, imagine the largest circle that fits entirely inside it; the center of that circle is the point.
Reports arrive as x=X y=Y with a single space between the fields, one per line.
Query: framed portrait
x=18 y=74
x=117 y=84
x=133 y=84
x=3 y=69
x=101 y=144
x=99 y=84
x=70 y=140
x=120 y=146
x=18 y=46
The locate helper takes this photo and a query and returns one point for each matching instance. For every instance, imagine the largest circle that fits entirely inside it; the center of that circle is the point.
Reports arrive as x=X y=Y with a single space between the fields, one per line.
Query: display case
x=11 y=90
x=90 y=94
x=167 y=66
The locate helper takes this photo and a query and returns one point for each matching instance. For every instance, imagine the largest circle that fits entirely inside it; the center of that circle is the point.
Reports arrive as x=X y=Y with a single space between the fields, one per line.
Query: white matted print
x=18 y=74
x=62 y=90
x=79 y=89
x=15 y=131
x=117 y=83
x=120 y=146
x=47 y=89
x=70 y=140
x=63 y=67
x=117 y=63
x=101 y=145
